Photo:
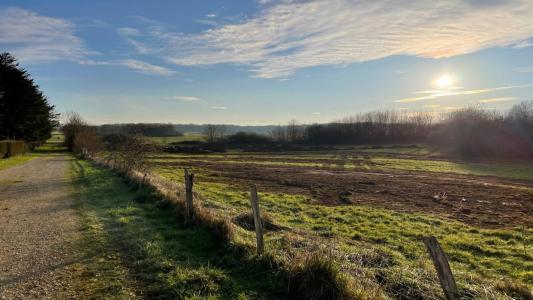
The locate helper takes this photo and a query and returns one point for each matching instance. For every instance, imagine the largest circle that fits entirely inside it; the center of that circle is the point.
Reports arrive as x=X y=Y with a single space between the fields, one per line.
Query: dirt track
x=38 y=230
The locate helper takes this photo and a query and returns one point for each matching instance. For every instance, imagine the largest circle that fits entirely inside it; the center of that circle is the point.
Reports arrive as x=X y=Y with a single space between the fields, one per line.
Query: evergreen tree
x=25 y=113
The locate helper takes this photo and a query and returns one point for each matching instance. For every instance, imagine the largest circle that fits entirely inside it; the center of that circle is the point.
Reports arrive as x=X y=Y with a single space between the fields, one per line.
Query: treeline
x=477 y=132
x=375 y=127
x=146 y=129
x=469 y=132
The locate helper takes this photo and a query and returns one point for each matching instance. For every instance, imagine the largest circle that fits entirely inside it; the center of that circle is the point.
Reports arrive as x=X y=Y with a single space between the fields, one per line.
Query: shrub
x=3 y=149
x=87 y=142
x=15 y=148
x=245 y=138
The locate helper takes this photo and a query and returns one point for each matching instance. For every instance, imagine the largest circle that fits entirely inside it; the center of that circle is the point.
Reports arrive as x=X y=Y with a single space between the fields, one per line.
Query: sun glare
x=444 y=81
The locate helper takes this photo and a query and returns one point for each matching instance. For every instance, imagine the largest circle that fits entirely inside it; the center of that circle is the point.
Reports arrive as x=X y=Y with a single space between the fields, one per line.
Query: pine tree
x=25 y=113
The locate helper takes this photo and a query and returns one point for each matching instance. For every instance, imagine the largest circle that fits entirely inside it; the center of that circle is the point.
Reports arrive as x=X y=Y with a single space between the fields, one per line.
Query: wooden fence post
x=254 y=200
x=189 y=209
x=447 y=282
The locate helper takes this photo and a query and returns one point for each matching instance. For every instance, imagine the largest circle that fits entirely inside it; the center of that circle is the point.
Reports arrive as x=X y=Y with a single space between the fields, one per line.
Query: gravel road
x=38 y=230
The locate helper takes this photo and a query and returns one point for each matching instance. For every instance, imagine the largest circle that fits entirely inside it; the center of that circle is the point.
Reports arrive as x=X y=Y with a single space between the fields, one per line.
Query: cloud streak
x=35 y=38
x=289 y=35
x=439 y=94
x=144 y=67
x=184 y=98
x=498 y=99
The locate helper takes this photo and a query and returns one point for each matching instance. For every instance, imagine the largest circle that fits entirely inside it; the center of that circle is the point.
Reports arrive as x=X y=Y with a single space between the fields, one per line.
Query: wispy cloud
x=128 y=31
x=439 y=94
x=35 y=38
x=184 y=98
x=219 y=107
x=145 y=68
x=524 y=70
x=289 y=35
x=497 y=99
x=316 y=113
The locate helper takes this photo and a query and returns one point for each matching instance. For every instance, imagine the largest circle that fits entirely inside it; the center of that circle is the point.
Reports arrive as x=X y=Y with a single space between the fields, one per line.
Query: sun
x=444 y=81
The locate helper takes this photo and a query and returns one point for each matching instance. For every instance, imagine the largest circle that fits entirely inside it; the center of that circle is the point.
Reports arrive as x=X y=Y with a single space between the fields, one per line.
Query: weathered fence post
x=189 y=209
x=254 y=200
x=447 y=282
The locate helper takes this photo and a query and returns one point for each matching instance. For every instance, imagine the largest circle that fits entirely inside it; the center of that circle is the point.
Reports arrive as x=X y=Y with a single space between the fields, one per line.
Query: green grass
x=17 y=160
x=380 y=242
x=511 y=171
x=187 y=137
x=135 y=249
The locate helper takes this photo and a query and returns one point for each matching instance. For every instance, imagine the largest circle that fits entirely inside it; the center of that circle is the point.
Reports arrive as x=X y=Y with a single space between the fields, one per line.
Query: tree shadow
x=164 y=257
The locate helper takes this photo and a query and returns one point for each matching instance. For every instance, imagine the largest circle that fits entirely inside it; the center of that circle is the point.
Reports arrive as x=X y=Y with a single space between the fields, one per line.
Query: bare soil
x=488 y=202
x=38 y=230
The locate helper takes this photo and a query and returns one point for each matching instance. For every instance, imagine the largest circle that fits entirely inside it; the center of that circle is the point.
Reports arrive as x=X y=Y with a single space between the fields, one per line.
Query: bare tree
x=130 y=153
x=278 y=134
x=294 y=131
x=87 y=142
x=214 y=133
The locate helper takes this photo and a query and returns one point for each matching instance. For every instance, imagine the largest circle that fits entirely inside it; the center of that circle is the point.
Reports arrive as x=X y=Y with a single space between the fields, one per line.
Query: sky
x=268 y=61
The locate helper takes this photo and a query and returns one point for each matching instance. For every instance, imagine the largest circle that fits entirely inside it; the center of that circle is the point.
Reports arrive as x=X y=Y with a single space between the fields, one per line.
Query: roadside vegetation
x=136 y=249
x=13 y=161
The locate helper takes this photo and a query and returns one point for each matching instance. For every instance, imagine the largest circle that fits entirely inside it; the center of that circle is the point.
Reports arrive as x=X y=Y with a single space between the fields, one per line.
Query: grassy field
x=136 y=250
x=187 y=137
x=364 y=161
x=382 y=246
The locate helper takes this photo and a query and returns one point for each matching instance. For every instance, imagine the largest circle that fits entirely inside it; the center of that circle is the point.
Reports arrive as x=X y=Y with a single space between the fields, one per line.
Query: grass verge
x=16 y=160
x=135 y=249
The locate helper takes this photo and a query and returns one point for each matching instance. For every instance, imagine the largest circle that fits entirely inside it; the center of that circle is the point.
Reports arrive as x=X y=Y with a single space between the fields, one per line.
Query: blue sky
x=268 y=61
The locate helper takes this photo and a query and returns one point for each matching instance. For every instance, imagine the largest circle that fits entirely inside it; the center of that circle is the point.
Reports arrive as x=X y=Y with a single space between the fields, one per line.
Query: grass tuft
x=515 y=290
x=317 y=276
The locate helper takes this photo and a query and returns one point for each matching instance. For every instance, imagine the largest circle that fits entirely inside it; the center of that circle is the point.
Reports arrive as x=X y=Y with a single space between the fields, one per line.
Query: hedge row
x=12 y=148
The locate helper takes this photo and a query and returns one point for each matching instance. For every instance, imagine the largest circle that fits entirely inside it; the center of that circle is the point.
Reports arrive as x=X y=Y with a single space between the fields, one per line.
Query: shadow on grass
x=159 y=256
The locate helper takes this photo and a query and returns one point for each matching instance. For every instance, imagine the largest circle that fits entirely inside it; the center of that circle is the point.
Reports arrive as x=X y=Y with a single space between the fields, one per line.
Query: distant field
x=188 y=137
x=374 y=205
x=384 y=160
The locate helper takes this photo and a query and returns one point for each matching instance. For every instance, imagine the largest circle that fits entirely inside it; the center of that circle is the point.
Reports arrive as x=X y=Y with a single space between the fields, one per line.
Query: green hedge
x=12 y=148
x=3 y=149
